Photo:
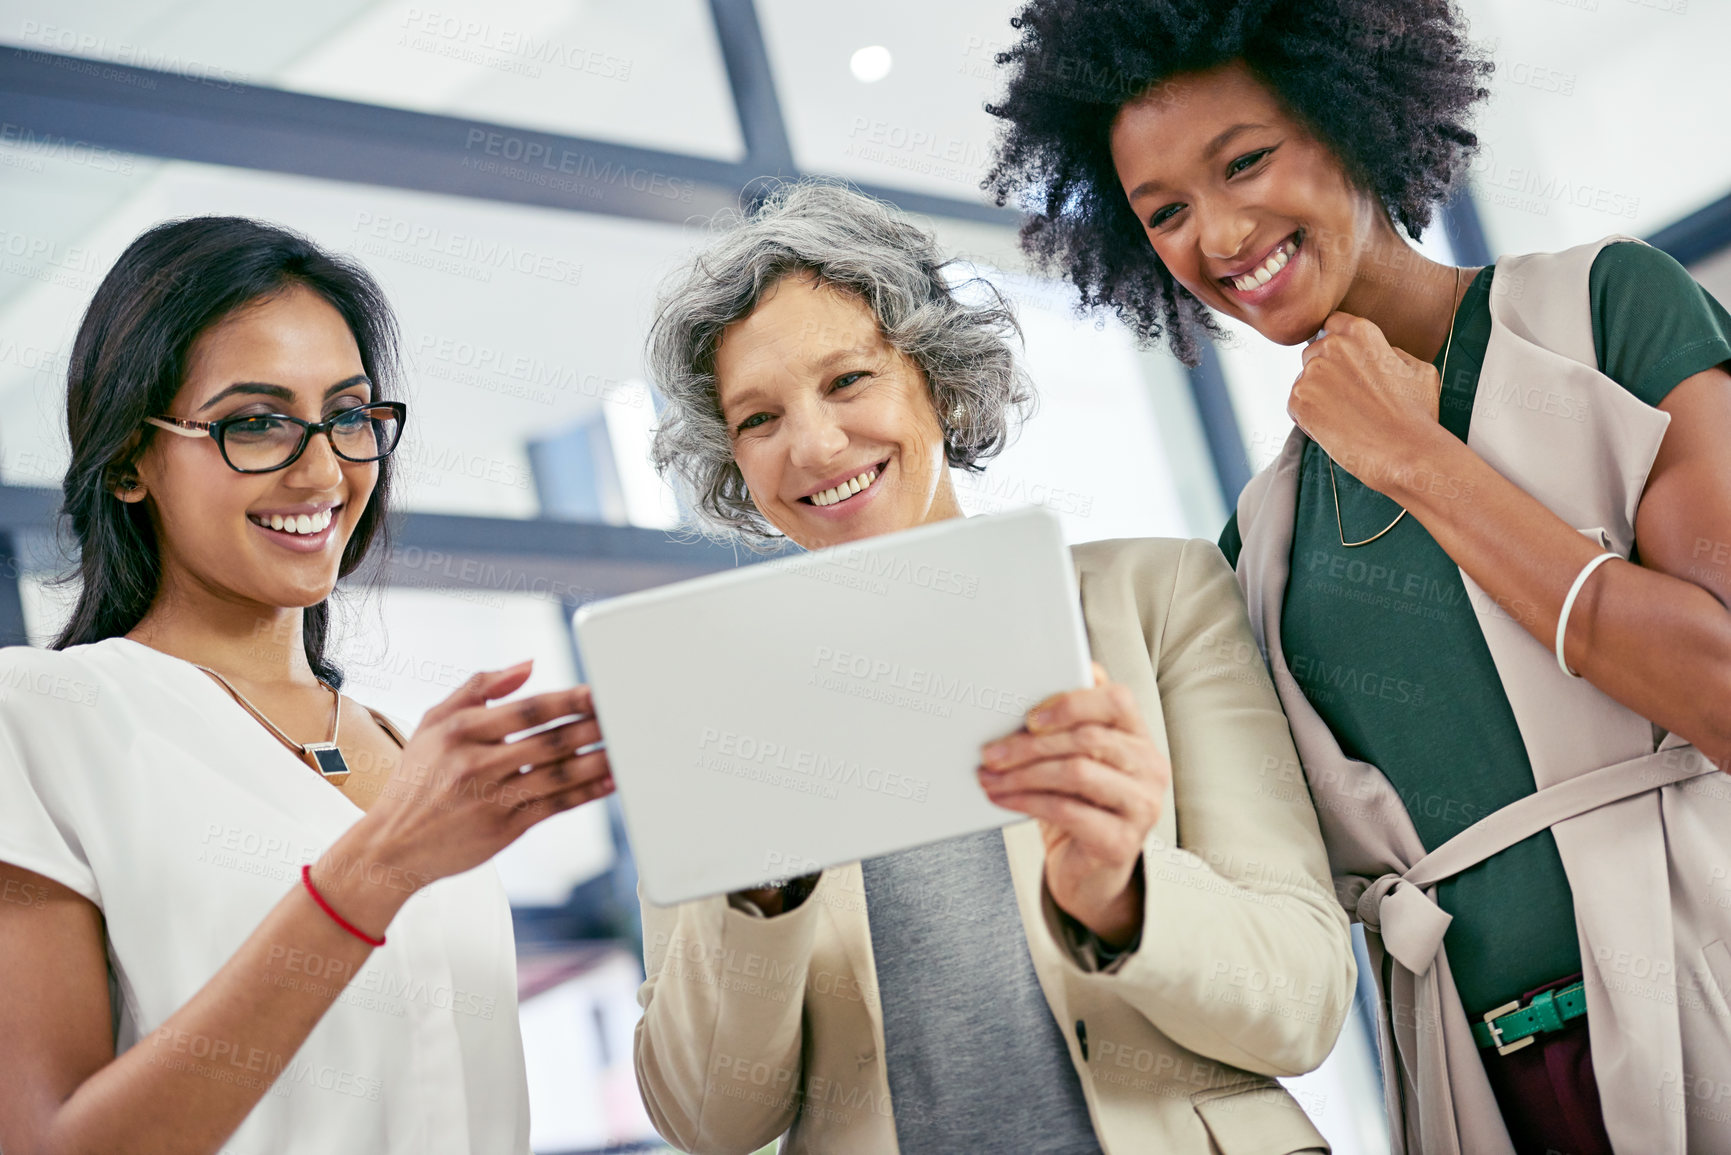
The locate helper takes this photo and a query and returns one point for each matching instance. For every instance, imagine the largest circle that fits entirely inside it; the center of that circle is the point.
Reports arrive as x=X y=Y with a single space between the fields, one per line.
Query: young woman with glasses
x=241 y=911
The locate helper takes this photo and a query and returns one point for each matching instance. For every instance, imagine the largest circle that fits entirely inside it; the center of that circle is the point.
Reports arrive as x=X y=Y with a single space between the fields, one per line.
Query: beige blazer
x=1642 y=822
x=753 y=1027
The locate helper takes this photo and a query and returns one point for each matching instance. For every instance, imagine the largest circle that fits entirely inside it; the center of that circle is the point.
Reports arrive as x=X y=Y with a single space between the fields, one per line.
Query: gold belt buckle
x=1497 y=1033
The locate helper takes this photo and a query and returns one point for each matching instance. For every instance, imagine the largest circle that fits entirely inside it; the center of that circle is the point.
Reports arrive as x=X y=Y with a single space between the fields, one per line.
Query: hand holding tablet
x=1088 y=769
x=820 y=709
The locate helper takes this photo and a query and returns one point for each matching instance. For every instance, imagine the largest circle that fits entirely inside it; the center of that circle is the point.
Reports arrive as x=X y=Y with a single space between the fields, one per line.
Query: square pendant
x=330 y=761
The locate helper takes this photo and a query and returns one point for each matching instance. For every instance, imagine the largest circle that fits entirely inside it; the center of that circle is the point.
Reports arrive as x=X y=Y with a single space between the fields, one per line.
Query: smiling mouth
x=303 y=523
x=847 y=489
x=1268 y=269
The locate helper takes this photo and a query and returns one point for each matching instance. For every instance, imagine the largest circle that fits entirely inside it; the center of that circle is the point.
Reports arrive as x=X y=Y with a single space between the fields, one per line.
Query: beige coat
x=1642 y=824
x=752 y=1027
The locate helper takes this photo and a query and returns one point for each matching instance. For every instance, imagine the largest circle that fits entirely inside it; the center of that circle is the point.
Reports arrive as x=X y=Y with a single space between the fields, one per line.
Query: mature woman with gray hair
x=1126 y=973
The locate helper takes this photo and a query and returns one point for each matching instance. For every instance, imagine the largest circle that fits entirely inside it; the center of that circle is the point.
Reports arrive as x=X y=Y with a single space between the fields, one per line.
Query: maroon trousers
x=1549 y=1100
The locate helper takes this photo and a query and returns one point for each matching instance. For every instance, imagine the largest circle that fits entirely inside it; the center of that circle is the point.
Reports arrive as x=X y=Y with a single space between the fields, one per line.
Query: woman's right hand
x=455 y=800
x=458 y=796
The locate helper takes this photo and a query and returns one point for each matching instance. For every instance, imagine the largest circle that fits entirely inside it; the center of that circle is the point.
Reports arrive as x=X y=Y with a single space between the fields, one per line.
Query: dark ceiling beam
x=142 y=111
x=935 y=205
x=27 y=507
x=61 y=102
x=768 y=149
x=571 y=561
x=1702 y=234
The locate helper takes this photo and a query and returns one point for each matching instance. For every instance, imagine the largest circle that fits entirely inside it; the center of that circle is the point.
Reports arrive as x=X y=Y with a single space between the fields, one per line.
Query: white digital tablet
x=814 y=710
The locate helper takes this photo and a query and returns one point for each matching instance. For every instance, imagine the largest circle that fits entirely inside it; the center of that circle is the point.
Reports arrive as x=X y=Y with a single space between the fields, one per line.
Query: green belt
x=1512 y=1026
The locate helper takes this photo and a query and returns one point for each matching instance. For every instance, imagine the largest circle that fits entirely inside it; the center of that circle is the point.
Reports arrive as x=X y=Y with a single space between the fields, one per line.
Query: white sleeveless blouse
x=132 y=778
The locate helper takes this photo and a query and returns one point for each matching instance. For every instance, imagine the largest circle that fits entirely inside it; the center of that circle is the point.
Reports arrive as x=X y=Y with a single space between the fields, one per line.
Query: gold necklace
x=324 y=756
x=1334 y=486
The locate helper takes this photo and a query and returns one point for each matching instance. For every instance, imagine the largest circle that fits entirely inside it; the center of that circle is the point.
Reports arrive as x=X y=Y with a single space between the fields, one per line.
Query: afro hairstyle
x=1386 y=84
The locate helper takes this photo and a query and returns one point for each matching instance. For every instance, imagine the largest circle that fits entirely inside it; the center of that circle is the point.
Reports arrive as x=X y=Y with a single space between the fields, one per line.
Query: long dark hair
x=170 y=285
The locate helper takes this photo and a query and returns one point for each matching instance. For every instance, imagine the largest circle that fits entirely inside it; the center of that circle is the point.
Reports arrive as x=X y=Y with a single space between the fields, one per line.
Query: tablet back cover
x=818 y=709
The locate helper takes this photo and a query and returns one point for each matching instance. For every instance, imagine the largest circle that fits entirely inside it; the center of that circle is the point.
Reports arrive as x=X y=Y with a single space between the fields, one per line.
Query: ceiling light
x=871 y=65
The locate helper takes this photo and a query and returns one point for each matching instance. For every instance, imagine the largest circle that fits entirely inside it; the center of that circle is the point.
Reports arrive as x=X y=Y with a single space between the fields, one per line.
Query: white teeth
x=1264 y=272
x=846 y=489
x=298 y=523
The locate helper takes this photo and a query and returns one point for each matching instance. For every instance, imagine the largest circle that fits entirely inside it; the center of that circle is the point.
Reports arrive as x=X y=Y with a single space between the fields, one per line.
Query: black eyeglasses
x=266 y=442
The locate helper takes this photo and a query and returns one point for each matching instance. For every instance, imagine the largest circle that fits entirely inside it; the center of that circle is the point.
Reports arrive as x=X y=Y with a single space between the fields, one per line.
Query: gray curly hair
x=863 y=246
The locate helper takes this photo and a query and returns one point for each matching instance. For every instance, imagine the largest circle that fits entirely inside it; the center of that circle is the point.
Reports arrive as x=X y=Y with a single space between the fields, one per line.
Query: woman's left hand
x=1086 y=767
x=1368 y=404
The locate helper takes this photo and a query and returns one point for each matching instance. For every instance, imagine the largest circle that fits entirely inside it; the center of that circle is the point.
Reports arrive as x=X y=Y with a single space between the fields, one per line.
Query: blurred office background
x=520 y=174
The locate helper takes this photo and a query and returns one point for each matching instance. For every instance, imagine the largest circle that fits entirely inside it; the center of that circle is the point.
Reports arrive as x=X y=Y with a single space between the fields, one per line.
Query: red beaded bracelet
x=307 y=878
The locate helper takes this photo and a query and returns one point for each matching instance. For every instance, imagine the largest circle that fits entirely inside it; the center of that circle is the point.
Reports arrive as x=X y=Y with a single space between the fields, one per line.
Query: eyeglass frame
x=187 y=427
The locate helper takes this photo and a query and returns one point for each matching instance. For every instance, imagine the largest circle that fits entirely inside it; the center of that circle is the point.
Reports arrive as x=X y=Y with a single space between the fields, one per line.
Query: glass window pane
x=1259 y=376
x=922 y=125
x=405 y=650
x=1714 y=273
x=1603 y=117
x=643 y=72
x=577 y=1043
x=47 y=607
x=1092 y=452
x=517 y=321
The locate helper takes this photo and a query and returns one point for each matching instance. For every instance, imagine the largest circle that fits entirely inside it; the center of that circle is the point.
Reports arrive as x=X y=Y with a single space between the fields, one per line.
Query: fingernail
x=1038 y=718
x=992 y=754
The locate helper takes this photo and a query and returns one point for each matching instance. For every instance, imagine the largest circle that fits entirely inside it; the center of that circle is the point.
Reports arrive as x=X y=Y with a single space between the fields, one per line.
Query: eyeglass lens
x=364 y=433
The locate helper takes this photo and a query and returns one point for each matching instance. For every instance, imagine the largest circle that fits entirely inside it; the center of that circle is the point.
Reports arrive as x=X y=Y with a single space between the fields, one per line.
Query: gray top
x=974 y=1058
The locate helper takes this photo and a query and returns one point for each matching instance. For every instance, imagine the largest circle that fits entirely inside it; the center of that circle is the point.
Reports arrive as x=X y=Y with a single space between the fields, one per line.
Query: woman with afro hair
x=1488 y=569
